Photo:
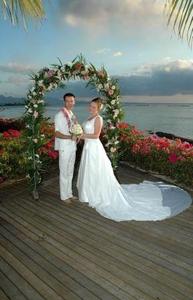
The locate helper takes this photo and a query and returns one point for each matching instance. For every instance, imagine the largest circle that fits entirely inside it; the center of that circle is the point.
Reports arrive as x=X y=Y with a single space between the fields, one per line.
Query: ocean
x=173 y=118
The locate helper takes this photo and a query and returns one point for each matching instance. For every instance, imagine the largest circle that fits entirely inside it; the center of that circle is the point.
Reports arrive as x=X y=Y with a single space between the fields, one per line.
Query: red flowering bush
x=13 y=156
x=173 y=158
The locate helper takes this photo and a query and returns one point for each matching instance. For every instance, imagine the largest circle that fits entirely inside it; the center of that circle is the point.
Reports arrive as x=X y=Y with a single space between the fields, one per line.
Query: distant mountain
x=4 y=100
x=77 y=87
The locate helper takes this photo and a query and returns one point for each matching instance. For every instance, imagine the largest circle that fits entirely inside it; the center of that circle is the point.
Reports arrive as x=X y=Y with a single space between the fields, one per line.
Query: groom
x=66 y=144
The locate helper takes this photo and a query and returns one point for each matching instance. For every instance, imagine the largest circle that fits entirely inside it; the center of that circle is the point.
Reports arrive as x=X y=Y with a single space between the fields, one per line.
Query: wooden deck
x=50 y=250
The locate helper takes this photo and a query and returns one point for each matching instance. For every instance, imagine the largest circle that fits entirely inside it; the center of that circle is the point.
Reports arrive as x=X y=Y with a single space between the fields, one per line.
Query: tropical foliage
x=16 y=10
x=173 y=158
x=180 y=15
x=13 y=151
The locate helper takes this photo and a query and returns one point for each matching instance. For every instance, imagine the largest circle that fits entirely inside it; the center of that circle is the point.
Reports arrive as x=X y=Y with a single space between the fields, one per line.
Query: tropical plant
x=180 y=15
x=22 y=9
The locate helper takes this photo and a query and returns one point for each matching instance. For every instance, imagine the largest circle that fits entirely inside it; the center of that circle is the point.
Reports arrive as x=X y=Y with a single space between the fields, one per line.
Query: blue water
x=172 y=118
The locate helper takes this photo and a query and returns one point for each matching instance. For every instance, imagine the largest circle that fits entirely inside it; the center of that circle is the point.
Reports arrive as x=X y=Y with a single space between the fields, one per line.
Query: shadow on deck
x=50 y=250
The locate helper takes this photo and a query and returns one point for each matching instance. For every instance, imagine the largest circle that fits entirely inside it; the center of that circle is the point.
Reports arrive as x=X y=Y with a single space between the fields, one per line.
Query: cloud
x=168 y=66
x=103 y=51
x=174 y=77
x=100 y=14
x=14 y=67
x=17 y=80
x=119 y=53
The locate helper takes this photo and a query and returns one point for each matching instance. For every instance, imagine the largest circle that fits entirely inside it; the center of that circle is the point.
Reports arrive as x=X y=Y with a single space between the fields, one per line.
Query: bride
x=98 y=186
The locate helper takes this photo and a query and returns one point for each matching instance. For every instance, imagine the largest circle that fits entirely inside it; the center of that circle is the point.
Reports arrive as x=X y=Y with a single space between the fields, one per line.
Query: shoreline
x=168 y=135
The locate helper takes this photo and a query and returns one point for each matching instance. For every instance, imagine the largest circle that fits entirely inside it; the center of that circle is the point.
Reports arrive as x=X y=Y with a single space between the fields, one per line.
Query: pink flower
x=6 y=135
x=11 y=133
x=50 y=73
x=173 y=158
x=122 y=125
x=136 y=148
x=53 y=154
x=14 y=133
x=110 y=92
x=101 y=74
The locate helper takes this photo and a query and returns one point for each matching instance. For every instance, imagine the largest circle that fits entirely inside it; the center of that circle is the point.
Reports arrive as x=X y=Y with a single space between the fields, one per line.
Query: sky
x=130 y=38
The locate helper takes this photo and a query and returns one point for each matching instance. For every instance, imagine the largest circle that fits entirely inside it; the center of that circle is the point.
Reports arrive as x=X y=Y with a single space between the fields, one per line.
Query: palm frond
x=180 y=15
x=17 y=10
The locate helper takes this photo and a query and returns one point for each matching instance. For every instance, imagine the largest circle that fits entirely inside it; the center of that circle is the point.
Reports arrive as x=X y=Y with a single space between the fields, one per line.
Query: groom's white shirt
x=61 y=125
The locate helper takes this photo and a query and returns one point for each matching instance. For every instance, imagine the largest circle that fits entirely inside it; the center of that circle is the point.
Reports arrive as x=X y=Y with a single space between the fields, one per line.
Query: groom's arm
x=60 y=135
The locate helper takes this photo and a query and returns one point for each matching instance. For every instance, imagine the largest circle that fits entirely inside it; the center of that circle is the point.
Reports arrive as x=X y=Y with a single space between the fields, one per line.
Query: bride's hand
x=82 y=137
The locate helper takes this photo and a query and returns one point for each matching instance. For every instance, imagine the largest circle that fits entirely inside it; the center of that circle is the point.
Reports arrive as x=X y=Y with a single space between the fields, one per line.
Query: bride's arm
x=97 y=130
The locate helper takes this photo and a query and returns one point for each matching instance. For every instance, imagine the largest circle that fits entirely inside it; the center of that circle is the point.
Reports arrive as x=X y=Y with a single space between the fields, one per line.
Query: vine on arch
x=48 y=79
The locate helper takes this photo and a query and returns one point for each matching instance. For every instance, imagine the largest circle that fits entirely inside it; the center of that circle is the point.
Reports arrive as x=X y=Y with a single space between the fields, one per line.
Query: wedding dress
x=98 y=186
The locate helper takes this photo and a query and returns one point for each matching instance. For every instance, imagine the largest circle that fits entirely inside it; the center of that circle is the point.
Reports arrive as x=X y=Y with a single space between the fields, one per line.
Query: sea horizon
x=173 y=118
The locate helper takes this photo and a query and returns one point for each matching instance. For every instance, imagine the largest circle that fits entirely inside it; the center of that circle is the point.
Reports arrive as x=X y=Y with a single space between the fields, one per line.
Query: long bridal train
x=98 y=186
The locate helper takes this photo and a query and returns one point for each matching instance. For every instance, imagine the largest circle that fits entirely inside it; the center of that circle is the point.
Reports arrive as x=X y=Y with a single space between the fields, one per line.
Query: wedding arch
x=48 y=79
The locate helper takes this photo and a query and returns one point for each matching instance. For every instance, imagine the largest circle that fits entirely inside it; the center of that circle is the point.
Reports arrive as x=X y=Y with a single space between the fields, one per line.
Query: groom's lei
x=67 y=116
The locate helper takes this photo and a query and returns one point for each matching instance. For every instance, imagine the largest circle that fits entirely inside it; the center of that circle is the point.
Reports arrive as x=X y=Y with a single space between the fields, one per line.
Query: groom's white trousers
x=66 y=166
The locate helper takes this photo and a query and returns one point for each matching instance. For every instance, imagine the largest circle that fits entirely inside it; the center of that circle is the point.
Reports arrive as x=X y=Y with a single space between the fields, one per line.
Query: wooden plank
x=53 y=276
x=8 y=290
x=107 y=281
x=149 y=282
x=48 y=277
x=14 y=284
x=59 y=264
x=182 y=284
x=89 y=226
x=30 y=278
x=3 y=296
x=119 y=232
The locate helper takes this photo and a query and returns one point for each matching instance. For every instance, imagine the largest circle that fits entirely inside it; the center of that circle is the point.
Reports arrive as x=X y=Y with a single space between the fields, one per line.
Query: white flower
x=116 y=112
x=35 y=114
x=106 y=86
x=50 y=87
x=100 y=86
x=43 y=135
x=29 y=96
x=35 y=141
x=76 y=129
x=26 y=106
x=113 y=101
x=35 y=105
x=34 y=94
x=29 y=111
x=113 y=87
x=55 y=85
x=37 y=155
x=40 y=83
x=113 y=149
x=30 y=157
x=40 y=101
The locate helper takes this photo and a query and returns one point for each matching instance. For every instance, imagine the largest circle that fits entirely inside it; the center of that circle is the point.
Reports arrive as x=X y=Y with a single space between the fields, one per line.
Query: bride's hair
x=99 y=102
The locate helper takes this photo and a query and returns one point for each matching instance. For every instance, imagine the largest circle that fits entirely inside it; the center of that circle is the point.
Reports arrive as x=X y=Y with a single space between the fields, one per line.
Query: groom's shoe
x=67 y=201
x=74 y=198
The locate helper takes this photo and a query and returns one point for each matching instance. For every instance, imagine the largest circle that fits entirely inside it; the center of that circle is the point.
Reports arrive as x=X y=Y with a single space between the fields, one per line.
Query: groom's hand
x=74 y=138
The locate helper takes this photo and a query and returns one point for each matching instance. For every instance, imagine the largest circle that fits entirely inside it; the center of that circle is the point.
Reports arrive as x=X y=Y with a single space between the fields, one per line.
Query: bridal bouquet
x=76 y=129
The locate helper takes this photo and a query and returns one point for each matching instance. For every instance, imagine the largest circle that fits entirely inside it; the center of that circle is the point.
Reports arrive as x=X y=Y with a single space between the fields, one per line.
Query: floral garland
x=48 y=79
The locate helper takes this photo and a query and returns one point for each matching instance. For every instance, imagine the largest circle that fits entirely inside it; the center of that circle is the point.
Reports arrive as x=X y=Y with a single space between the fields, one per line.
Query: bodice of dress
x=88 y=125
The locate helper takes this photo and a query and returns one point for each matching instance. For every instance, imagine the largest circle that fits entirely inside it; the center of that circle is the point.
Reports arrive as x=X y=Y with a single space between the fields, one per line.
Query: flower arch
x=48 y=79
